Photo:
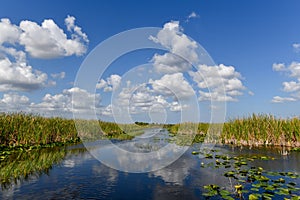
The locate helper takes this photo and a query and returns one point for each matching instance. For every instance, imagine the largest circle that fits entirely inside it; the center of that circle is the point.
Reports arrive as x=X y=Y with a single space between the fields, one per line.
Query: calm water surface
x=80 y=176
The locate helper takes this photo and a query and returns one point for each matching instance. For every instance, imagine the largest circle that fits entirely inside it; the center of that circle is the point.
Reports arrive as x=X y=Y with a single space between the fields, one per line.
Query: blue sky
x=259 y=39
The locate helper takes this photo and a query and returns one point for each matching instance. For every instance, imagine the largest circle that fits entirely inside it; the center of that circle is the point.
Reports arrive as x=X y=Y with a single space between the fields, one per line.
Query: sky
x=210 y=60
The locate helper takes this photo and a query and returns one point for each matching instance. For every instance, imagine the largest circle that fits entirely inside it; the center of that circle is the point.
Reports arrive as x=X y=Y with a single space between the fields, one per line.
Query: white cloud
x=60 y=75
x=219 y=79
x=214 y=96
x=169 y=63
x=112 y=83
x=19 y=76
x=135 y=98
x=142 y=98
x=294 y=70
x=251 y=93
x=293 y=86
x=193 y=15
x=13 y=98
x=296 y=46
x=278 y=99
x=45 y=41
x=70 y=100
x=78 y=34
x=173 y=85
x=223 y=81
x=175 y=106
x=278 y=67
x=107 y=111
x=50 y=41
x=14 y=102
x=172 y=38
x=10 y=33
x=63 y=104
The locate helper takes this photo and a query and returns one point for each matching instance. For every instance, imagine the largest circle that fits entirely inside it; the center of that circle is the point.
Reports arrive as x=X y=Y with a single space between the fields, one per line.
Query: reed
x=262 y=130
x=22 y=129
x=188 y=127
x=254 y=130
x=28 y=129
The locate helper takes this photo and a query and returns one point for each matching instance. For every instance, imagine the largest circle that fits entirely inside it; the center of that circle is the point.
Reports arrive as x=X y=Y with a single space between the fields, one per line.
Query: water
x=78 y=175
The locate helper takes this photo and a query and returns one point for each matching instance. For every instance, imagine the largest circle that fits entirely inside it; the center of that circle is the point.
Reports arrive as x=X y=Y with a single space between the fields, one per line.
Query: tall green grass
x=188 y=127
x=20 y=129
x=262 y=130
x=253 y=130
x=27 y=129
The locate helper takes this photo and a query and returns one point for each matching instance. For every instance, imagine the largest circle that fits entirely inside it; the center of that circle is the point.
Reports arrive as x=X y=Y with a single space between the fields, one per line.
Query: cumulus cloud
x=292 y=87
x=14 y=102
x=19 y=76
x=278 y=67
x=15 y=73
x=223 y=81
x=296 y=46
x=63 y=104
x=251 y=93
x=143 y=98
x=69 y=101
x=172 y=38
x=49 y=41
x=107 y=111
x=278 y=99
x=137 y=98
x=111 y=83
x=60 y=75
x=175 y=106
x=170 y=63
x=78 y=34
x=10 y=33
x=173 y=85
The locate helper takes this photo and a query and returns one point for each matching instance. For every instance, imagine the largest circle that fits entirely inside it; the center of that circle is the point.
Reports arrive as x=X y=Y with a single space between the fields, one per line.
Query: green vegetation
x=187 y=133
x=188 y=127
x=20 y=129
x=26 y=130
x=248 y=181
x=262 y=130
x=253 y=130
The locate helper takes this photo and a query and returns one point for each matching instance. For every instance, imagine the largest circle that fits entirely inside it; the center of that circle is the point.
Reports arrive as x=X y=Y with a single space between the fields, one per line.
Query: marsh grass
x=20 y=129
x=254 y=130
x=25 y=130
x=28 y=129
x=262 y=130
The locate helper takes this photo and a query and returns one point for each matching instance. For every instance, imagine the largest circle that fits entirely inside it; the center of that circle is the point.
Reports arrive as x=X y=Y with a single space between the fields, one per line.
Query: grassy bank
x=254 y=130
x=20 y=129
x=262 y=130
x=25 y=130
